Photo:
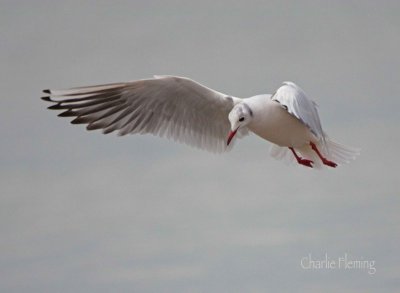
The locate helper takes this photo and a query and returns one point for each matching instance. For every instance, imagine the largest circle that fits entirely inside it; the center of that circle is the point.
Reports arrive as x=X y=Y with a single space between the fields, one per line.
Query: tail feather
x=338 y=153
x=341 y=153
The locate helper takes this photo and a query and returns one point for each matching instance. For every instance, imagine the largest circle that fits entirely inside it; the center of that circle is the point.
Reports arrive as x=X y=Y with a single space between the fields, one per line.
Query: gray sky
x=84 y=212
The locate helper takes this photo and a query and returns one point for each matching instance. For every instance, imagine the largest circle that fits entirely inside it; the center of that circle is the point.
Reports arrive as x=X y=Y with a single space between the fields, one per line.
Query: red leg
x=323 y=159
x=300 y=160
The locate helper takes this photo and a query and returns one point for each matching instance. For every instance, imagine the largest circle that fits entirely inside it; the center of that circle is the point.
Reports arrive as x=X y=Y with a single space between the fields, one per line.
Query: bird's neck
x=258 y=105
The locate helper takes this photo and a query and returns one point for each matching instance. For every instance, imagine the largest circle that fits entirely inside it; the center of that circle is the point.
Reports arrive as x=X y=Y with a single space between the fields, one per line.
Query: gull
x=181 y=109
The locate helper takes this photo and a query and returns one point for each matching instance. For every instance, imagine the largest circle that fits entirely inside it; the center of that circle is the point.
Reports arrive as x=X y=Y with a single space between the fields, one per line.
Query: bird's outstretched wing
x=295 y=101
x=167 y=106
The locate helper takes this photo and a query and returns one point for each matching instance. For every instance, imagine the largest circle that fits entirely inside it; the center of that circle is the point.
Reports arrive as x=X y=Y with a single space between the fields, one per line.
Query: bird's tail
x=340 y=153
x=336 y=152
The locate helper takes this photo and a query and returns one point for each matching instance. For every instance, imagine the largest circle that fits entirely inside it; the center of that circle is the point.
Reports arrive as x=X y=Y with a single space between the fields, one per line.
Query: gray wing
x=295 y=101
x=174 y=107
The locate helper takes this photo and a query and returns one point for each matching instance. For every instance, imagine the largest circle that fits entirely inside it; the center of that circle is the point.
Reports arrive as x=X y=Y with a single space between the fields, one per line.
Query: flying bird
x=186 y=111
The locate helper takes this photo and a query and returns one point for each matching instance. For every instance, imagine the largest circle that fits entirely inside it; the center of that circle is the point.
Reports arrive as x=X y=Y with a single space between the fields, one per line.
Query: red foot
x=300 y=160
x=323 y=159
x=305 y=162
x=329 y=163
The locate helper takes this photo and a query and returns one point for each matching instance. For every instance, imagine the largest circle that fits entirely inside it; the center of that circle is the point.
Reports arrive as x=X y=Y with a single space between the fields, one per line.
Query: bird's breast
x=273 y=123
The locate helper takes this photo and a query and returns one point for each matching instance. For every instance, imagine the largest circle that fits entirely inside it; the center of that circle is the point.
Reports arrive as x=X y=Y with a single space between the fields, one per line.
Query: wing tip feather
x=67 y=113
x=55 y=107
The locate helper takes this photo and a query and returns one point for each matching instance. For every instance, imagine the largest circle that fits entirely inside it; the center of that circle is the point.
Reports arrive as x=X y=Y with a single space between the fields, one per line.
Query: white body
x=273 y=123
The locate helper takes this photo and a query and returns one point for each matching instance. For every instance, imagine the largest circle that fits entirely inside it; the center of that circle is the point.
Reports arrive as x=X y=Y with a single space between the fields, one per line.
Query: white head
x=240 y=116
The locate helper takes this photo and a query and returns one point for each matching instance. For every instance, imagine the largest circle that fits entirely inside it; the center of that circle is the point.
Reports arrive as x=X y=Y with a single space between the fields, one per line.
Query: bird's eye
x=241 y=119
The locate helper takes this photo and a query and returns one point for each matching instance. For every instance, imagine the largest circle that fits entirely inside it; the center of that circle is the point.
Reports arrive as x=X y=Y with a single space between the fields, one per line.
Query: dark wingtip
x=94 y=126
x=47 y=99
x=107 y=131
x=67 y=113
x=47 y=91
x=76 y=121
x=55 y=107
x=80 y=120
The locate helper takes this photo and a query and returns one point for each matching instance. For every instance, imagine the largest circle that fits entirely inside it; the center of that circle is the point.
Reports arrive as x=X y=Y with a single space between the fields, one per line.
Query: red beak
x=230 y=136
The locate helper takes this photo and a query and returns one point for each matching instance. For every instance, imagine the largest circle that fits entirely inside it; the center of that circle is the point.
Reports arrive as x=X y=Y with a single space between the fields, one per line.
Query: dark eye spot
x=241 y=119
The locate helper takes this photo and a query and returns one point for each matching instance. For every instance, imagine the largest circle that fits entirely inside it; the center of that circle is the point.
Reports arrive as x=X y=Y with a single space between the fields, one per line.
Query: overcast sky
x=84 y=212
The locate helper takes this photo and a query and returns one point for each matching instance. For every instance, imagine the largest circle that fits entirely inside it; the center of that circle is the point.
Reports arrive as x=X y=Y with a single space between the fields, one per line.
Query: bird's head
x=240 y=116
